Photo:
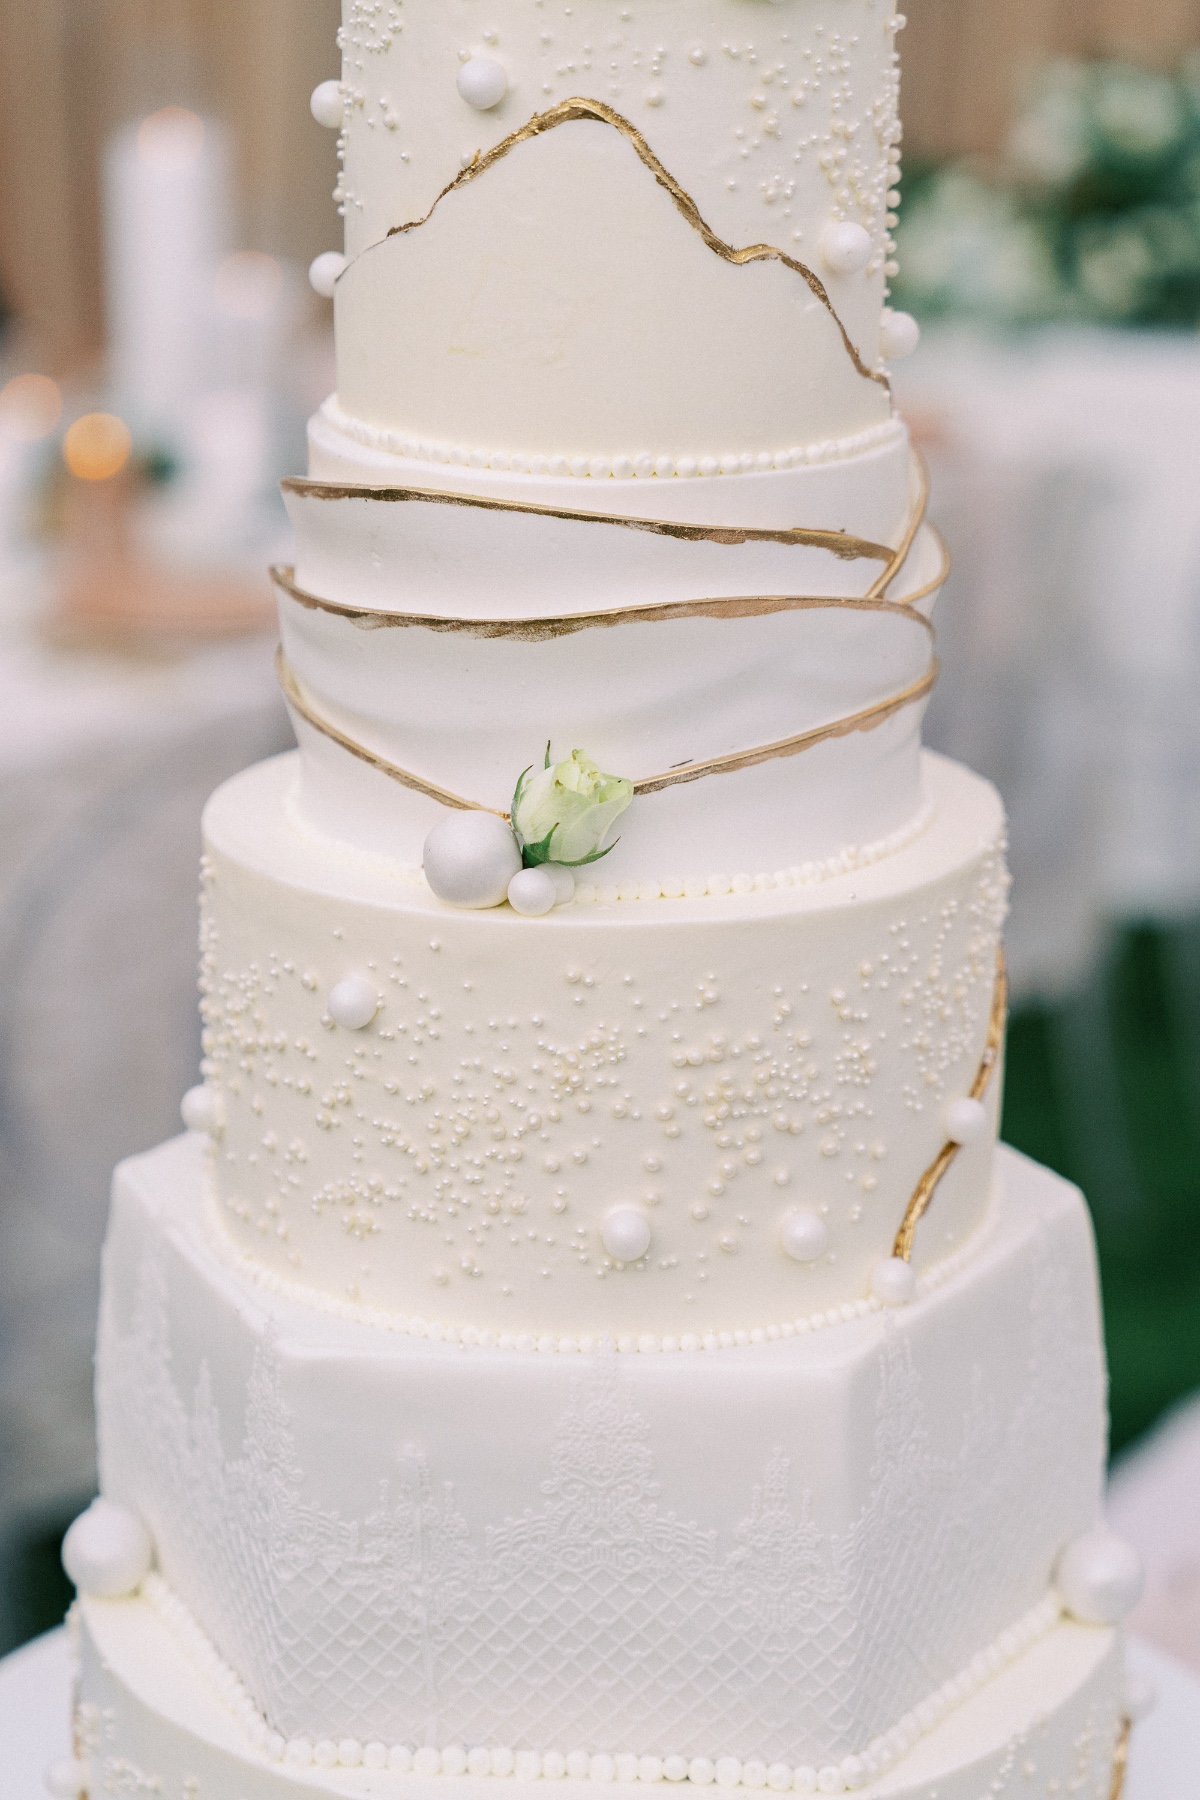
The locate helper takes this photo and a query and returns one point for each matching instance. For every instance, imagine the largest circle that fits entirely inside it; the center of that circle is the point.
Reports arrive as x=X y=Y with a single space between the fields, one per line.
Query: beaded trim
x=849 y=1773
x=643 y=464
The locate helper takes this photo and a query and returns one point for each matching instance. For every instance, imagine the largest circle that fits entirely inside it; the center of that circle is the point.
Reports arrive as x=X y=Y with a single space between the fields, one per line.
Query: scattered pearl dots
x=893 y=1281
x=803 y=1235
x=845 y=247
x=899 y=335
x=482 y=82
x=327 y=106
x=323 y=272
x=532 y=892
x=1100 y=1578
x=470 y=858
x=353 y=1003
x=965 y=1120
x=107 y=1551
x=626 y=1234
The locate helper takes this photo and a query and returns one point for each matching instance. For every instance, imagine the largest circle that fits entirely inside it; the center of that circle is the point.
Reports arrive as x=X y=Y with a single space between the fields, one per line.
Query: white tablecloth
x=35 y=1702
x=1066 y=478
x=104 y=768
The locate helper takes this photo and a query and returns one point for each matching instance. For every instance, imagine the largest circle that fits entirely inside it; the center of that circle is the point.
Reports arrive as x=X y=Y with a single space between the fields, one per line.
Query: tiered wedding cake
x=588 y=1333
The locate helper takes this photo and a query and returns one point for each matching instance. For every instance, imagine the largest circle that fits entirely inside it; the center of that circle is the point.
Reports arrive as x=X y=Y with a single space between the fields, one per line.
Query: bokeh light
x=30 y=408
x=171 y=138
x=97 y=446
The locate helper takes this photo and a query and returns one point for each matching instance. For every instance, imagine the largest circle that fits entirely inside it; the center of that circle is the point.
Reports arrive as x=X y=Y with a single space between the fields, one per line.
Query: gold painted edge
x=842 y=544
x=578 y=108
x=1120 y=1760
x=555 y=625
x=864 y=720
x=927 y=1186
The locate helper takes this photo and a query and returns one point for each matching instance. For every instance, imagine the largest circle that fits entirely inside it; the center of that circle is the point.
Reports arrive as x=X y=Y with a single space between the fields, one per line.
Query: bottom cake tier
x=158 y=1714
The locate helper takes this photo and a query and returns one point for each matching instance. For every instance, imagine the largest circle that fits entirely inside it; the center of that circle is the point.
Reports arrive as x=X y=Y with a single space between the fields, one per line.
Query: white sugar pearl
x=625 y=1234
x=845 y=248
x=200 y=1109
x=483 y=82
x=532 y=892
x=67 y=1778
x=470 y=858
x=107 y=1551
x=803 y=1235
x=893 y=1281
x=899 y=335
x=965 y=1120
x=564 y=882
x=323 y=272
x=1099 y=1577
x=327 y=106
x=353 y=1003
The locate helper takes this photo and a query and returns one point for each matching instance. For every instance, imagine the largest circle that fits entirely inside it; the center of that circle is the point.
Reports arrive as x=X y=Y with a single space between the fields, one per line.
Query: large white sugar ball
x=353 y=1002
x=533 y=892
x=965 y=1120
x=323 y=272
x=483 y=82
x=107 y=1551
x=200 y=1109
x=845 y=248
x=625 y=1234
x=899 y=335
x=470 y=858
x=893 y=1281
x=327 y=106
x=564 y=882
x=1099 y=1577
x=803 y=1235
x=67 y=1779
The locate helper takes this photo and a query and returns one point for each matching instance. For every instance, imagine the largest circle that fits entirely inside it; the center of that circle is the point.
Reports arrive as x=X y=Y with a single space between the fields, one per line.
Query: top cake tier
x=651 y=236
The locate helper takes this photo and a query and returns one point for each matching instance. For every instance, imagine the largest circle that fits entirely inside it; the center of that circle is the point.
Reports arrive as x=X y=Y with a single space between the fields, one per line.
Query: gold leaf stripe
x=926 y=1188
x=555 y=625
x=865 y=720
x=839 y=543
x=1120 y=1766
x=578 y=108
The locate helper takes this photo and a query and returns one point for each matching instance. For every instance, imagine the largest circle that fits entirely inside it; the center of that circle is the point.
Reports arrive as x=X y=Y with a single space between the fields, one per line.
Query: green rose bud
x=564 y=814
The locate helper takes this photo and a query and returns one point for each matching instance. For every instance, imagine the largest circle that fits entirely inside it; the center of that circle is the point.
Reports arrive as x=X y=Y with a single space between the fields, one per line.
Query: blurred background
x=163 y=187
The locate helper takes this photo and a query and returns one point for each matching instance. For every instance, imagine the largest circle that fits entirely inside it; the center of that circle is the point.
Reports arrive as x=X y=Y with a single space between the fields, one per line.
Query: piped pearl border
x=846 y=1775
x=643 y=464
x=646 y=1343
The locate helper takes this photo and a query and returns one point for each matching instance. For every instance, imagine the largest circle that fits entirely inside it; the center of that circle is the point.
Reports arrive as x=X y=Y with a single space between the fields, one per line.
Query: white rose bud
x=568 y=810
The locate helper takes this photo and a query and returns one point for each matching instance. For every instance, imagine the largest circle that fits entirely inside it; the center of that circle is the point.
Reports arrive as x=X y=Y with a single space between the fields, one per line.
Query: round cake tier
x=666 y=235
x=667 y=1119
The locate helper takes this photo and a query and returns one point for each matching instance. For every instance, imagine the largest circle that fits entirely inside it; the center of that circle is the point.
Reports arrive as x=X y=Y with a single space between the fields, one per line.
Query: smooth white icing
x=315 y=1488
x=717 y=1061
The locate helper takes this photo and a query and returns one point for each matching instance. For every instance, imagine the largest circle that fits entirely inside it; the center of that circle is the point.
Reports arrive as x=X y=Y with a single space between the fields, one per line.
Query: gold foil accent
x=1120 y=1766
x=555 y=625
x=578 y=108
x=839 y=543
x=865 y=720
x=925 y=1189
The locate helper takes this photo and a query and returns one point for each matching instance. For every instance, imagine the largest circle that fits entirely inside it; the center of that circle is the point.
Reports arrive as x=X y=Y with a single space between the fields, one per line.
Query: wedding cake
x=588 y=1333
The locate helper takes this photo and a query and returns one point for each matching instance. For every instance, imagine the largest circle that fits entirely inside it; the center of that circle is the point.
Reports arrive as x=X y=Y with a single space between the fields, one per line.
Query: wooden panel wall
x=70 y=70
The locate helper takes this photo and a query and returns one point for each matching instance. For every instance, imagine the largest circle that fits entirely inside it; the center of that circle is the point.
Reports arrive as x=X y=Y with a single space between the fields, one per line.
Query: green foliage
x=1093 y=215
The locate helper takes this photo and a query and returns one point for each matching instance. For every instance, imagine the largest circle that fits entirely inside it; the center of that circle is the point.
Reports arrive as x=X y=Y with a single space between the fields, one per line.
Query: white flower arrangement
x=560 y=820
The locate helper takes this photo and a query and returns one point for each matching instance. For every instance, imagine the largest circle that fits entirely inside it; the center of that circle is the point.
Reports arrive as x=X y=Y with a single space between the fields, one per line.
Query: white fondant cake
x=588 y=1333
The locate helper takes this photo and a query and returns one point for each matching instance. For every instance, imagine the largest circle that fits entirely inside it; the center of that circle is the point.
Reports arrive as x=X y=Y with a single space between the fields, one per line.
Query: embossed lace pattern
x=594 y=1614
